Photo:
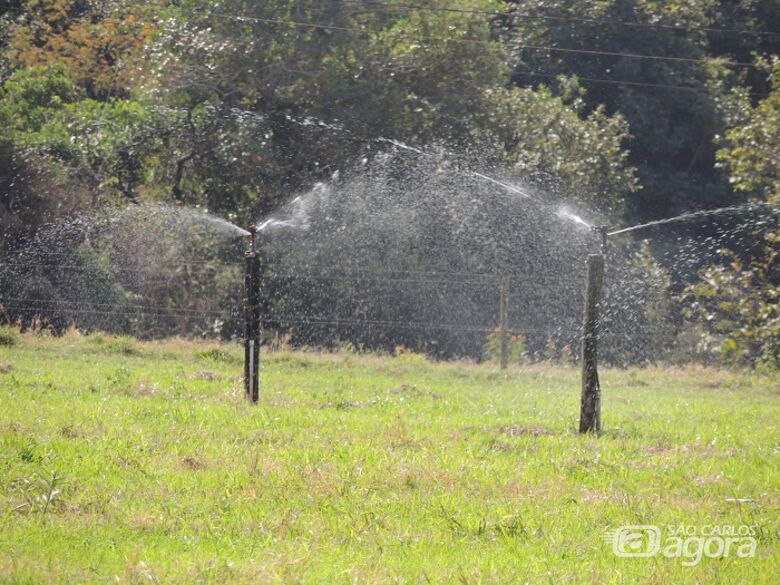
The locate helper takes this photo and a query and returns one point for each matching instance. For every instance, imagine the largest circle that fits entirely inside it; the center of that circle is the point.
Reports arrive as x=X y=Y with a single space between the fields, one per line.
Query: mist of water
x=565 y=213
x=693 y=216
x=294 y=216
x=406 y=248
x=144 y=269
x=403 y=253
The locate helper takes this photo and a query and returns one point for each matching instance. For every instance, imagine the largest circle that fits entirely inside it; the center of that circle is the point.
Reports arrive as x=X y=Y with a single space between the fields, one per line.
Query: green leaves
x=751 y=151
x=110 y=139
x=543 y=135
x=31 y=97
x=739 y=305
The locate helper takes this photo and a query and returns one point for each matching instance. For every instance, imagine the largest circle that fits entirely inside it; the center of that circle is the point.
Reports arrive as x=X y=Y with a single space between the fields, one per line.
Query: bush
x=407 y=356
x=8 y=337
x=738 y=305
x=636 y=315
x=516 y=344
x=114 y=344
x=217 y=355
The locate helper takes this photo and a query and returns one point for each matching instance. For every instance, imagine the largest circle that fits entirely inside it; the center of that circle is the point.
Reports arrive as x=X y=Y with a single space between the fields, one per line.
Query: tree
x=278 y=96
x=751 y=151
x=30 y=192
x=98 y=42
x=554 y=139
x=104 y=144
x=739 y=304
x=665 y=66
x=739 y=301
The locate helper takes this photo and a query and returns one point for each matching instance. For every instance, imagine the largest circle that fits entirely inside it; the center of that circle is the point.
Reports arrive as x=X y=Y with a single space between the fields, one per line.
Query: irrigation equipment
x=603 y=232
x=252 y=320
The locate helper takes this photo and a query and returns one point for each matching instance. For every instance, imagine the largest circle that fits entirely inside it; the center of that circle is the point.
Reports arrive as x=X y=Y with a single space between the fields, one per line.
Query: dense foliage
x=739 y=304
x=635 y=110
x=205 y=97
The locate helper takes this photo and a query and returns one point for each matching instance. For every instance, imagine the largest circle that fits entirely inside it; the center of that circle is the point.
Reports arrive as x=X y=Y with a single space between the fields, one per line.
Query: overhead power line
x=363 y=29
x=689 y=88
x=64 y=305
x=627 y=55
x=378 y=5
x=38 y=310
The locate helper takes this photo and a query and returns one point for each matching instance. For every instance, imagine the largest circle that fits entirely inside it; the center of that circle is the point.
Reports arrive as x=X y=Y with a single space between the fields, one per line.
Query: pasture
x=131 y=462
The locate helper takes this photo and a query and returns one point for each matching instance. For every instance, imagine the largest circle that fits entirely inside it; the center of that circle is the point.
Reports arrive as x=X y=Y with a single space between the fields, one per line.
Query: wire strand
x=515 y=13
x=65 y=302
x=323 y=26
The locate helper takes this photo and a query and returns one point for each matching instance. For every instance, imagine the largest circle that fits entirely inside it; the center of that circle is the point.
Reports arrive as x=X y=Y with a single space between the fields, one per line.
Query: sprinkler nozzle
x=253 y=238
x=603 y=231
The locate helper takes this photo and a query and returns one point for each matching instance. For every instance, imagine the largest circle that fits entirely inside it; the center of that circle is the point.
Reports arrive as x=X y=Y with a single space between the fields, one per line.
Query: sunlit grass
x=140 y=462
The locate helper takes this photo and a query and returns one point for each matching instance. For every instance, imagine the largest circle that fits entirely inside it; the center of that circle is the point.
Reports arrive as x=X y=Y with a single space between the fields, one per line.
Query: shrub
x=8 y=337
x=636 y=314
x=217 y=355
x=738 y=304
x=114 y=344
x=491 y=351
x=406 y=356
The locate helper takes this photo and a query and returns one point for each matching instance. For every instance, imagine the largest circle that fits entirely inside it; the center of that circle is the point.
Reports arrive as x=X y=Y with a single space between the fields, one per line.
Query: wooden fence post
x=590 y=406
x=503 y=311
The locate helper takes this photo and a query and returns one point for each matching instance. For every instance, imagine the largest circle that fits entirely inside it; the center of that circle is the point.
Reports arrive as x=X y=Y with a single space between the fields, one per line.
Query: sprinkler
x=603 y=231
x=253 y=238
x=252 y=319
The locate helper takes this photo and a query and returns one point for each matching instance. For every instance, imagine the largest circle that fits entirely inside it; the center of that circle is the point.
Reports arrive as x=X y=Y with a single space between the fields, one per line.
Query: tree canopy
x=630 y=109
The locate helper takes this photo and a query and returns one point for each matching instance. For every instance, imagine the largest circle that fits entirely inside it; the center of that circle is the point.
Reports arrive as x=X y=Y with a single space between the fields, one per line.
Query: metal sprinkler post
x=603 y=232
x=252 y=320
x=590 y=404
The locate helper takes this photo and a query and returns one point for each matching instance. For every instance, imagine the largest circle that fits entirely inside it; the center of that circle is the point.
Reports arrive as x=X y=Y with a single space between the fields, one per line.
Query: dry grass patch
x=145 y=388
x=192 y=464
x=519 y=431
x=206 y=375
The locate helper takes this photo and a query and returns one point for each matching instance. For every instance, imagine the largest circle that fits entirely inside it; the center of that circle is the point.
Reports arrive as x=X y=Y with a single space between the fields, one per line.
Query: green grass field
x=140 y=463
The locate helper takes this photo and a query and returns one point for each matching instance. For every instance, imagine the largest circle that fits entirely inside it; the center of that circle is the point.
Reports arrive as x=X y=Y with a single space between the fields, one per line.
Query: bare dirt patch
x=192 y=464
x=519 y=431
x=206 y=375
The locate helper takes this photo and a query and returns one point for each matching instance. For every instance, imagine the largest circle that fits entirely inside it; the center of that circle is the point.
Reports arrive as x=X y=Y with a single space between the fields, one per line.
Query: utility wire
x=283 y=319
x=689 y=88
x=60 y=302
x=204 y=266
x=304 y=270
x=487 y=279
x=322 y=274
x=46 y=254
x=323 y=26
x=302 y=320
x=301 y=275
x=627 y=55
x=147 y=313
x=370 y=279
x=511 y=12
